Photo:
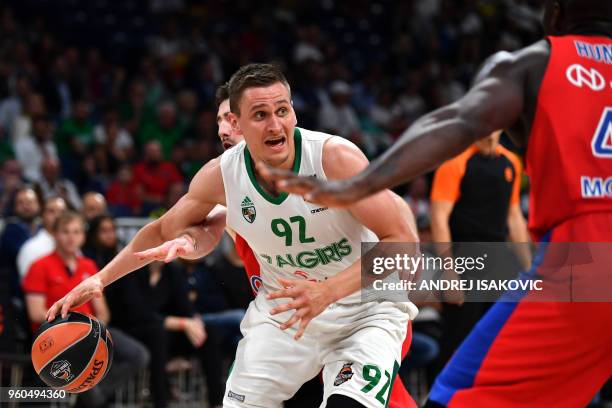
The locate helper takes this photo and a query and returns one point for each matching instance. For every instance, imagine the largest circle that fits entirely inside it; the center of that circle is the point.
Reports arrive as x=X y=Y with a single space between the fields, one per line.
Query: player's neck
x=594 y=28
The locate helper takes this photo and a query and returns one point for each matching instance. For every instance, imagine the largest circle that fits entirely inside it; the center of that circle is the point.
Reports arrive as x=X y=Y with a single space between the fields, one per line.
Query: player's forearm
x=431 y=140
x=125 y=262
x=206 y=236
x=345 y=283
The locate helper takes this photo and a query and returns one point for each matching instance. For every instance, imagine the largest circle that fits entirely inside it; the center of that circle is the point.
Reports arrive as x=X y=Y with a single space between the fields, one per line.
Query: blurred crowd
x=107 y=108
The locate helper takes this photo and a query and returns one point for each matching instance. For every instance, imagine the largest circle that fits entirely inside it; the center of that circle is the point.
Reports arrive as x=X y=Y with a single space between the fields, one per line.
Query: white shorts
x=358 y=347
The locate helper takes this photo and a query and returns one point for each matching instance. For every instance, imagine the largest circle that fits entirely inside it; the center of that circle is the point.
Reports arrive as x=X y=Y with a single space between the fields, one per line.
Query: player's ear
x=233 y=120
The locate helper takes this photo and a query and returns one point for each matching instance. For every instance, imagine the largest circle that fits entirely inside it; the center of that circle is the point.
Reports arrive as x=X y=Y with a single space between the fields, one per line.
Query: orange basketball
x=72 y=354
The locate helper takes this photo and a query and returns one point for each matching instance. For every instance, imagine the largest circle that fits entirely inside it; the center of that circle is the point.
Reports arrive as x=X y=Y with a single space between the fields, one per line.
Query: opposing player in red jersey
x=555 y=98
x=185 y=245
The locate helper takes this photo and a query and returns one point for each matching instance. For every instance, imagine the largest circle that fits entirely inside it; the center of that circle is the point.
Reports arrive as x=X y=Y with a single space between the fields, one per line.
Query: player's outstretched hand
x=309 y=300
x=168 y=251
x=339 y=193
x=85 y=291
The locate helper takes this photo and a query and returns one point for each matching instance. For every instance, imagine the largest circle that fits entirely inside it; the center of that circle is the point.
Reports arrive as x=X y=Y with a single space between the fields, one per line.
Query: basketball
x=72 y=354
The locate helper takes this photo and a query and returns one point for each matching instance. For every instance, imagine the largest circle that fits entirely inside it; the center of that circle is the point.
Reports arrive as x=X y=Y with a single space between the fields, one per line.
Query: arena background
x=81 y=71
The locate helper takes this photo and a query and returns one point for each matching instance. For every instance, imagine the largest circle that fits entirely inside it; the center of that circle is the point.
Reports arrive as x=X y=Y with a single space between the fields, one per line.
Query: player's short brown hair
x=67 y=217
x=221 y=94
x=253 y=76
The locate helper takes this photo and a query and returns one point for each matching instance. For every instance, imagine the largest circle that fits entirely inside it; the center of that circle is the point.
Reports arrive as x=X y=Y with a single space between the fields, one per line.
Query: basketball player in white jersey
x=197 y=241
x=356 y=344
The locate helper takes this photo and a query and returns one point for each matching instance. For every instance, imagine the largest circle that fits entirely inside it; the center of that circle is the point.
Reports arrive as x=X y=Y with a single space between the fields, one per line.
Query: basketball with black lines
x=73 y=353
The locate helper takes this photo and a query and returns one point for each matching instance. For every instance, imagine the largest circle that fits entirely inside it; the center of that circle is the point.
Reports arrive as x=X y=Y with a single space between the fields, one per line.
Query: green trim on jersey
x=248 y=161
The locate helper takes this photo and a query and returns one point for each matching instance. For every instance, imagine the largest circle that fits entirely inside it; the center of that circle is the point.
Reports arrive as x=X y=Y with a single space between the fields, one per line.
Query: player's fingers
x=282 y=293
x=149 y=254
x=286 y=306
x=52 y=311
x=297 y=185
x=303 y=324
x=272 y=174
x=171 y=253
x=289 y=323
x=66 y=305
x=287 y=283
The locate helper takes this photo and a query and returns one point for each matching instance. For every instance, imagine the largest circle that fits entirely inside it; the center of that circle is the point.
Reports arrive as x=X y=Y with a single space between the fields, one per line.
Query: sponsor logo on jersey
x=256 y=283
x=318 y=210
x=334 y=252
x=345 y=374
x=238 y=397
x=580 y=76
x=596 y=187
x=61 y=370
x=248 y=210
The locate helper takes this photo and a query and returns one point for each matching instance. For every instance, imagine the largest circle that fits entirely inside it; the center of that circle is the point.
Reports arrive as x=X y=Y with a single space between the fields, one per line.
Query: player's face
x=267 y=121
x=229 y=135
x=70 y=236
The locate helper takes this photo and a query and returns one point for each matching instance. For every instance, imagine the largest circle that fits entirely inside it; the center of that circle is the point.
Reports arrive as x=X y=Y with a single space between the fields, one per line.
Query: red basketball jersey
x=569 y=156
x=251 y=266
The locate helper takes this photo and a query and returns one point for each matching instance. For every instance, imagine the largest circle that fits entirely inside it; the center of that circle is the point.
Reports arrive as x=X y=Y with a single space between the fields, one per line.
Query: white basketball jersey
x=290 y=237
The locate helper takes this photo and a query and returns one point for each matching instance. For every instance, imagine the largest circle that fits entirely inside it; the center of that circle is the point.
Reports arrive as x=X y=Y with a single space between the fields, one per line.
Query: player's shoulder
x=312 y=136
x=232 y=153
x=342 y=158
x=511 y=62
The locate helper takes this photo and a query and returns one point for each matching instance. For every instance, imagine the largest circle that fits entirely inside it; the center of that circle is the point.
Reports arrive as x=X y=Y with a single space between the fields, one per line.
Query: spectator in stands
x=187 y=103
x=52 y=276
x=22 y=125
x=220 y=291
x=20 y=227
x=152 y=305
x=338 y=117
x=94 y=205
x=155 y=176
x=124 y=194
x=381 y=111
x=11 y=178
x=32 y=150
x=166 y=130
x=52 y=184
x=76 y=133
x=61 y=87
x=101 y=244
x=134 y=112
x=12 y=107
x=117 y=141
x=42 y=243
